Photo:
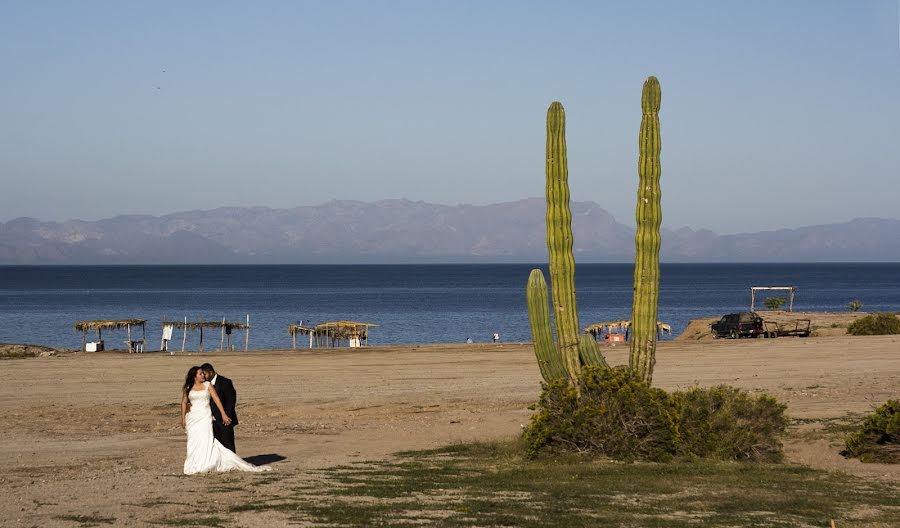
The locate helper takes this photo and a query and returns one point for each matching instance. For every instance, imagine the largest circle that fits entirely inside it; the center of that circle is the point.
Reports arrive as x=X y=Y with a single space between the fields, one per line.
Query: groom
x=221 y=432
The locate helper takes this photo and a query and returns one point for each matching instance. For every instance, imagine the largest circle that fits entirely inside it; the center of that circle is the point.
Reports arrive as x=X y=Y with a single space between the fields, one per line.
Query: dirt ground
x=99 y=434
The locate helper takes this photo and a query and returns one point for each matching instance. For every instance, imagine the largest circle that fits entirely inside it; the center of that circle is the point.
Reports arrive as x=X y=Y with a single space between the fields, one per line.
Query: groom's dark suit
x=221 y=432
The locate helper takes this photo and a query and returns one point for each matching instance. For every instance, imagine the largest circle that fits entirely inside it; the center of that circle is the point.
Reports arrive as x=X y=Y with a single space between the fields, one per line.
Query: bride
x=205 y=453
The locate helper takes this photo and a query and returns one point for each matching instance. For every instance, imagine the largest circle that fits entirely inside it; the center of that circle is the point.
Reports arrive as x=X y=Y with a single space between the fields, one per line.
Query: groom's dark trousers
x=221 y=432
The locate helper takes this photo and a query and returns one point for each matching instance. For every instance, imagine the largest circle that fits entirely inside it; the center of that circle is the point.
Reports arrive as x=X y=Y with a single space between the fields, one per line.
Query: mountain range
x=403 y=231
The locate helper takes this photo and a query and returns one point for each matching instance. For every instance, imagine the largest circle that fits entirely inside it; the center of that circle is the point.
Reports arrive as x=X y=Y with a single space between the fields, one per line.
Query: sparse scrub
x=616 y=416
x=620 y=417
x=726 y=423
x=494 y=485
x=878 y=439
x=855 y=305
x=875 y=324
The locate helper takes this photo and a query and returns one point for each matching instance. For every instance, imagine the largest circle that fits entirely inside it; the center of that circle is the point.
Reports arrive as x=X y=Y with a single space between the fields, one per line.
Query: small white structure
x=753 y=290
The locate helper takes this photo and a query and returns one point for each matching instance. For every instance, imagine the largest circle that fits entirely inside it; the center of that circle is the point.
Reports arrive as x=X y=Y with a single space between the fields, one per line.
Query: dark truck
x=737 y=325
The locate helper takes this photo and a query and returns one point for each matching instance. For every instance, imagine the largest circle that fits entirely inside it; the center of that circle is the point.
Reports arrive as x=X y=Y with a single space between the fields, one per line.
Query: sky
x=774 y=114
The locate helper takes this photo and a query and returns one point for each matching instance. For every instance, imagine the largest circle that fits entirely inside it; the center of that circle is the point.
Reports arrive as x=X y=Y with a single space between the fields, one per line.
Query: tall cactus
x=648 y=214
x=559 y=240
x=571 y=349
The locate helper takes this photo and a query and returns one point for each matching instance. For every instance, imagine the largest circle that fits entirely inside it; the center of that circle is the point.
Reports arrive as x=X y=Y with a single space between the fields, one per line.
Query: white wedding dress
x=205 y=453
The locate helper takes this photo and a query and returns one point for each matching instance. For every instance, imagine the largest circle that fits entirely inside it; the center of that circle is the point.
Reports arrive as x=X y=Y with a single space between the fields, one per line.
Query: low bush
x=875 y=324
x=617 y=416
x=726 y=423
x=878 y=439
x=620 y=417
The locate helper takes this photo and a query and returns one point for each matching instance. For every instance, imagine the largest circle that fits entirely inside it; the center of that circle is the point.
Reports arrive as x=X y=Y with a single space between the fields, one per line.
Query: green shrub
x=878 y=440
x=774 y=303
x=619 y=417
x=855 y=305
x=726 y=423
x=875 y=324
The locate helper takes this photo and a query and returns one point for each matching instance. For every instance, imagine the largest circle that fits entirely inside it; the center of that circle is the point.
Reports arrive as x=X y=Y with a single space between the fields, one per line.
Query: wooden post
x=293 y=339
x=143 y=335
x=222 y=344
x=128 y=328
x=791 y=306
x=247 y=335
x=184 y=334
x=201 y=336
x=83 y=339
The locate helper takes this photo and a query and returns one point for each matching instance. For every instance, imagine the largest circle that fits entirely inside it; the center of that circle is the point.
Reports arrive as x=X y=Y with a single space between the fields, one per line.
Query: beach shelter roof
x=84 y=326
x=337 y=329
x=193 y=325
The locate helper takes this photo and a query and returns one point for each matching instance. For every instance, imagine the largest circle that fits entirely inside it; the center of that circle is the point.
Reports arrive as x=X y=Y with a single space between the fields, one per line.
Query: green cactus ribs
x=559 y=241
x=648 y=215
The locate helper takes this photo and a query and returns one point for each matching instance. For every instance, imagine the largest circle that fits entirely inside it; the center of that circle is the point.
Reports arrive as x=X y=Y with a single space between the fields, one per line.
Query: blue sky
x=774 y=114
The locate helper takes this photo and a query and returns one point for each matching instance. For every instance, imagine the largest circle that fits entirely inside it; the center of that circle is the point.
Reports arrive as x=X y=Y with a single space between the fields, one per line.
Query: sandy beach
x=86 y=433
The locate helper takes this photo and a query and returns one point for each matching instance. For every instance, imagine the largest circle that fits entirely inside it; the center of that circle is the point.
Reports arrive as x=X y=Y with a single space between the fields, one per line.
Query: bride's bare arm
x=215 y=396
x=184 y=409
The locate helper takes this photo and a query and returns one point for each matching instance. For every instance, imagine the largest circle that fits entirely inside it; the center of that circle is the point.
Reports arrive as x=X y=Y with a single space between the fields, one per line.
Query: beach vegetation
x=774 y=303
x=87 y=520
x=572 y=350
x=855 y=305
x=878 y=438
x=875 y=324
x=494 y=484
x=619 y=416
x=563 y=358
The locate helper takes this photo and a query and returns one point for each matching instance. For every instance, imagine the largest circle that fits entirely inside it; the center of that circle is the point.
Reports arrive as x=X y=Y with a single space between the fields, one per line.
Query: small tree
x=855 y=305
x=774 y=303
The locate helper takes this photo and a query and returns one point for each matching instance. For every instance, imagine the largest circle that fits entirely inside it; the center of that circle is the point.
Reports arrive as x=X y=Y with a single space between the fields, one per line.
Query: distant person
x=468 y=340
x=496 y=337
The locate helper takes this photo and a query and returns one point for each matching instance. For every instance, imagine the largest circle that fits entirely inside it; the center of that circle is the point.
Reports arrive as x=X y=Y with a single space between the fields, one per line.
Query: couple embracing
x=208 y=418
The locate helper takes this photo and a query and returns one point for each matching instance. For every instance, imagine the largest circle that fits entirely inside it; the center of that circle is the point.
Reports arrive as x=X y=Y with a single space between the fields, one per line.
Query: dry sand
x=98 y=434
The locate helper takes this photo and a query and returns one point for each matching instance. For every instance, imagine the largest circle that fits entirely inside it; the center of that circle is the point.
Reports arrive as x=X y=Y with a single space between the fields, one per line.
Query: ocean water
x=410 y=303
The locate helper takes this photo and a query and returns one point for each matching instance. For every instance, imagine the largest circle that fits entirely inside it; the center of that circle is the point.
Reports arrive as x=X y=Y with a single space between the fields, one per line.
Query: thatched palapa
x=331 y=333
x=136 y=345
x=224 y=326
x=623 y=326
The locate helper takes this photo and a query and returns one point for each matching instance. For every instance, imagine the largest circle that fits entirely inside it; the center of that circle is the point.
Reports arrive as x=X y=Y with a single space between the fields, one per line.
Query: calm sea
x=410 y=303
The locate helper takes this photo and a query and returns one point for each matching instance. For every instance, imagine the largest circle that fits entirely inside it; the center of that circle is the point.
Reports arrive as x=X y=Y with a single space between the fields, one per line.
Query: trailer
x=798 y=328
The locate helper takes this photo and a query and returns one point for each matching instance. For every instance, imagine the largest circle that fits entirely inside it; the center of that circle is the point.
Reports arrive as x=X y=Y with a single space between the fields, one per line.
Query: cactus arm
x=589 y=351
x=559 y=241
x=548 y=358
x=648 y=215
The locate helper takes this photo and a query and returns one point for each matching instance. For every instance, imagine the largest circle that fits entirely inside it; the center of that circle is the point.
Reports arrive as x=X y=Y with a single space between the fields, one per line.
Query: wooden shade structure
x=112 y=324
x=331 y=333
x=623 y=326
x=224 y=326
x=754 y=289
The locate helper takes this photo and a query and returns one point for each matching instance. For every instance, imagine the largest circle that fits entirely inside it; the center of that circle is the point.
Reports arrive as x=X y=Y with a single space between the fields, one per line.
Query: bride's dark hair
x=189 y=379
